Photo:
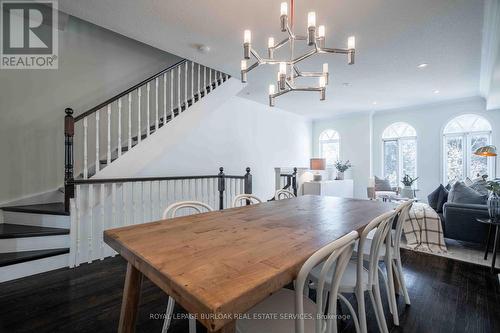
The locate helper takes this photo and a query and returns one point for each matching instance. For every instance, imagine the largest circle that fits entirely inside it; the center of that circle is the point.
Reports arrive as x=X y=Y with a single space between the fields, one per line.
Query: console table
x=334 y=188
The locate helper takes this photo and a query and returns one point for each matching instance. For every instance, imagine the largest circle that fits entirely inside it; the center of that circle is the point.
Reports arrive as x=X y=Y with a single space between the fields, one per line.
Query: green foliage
x=408 y=181
x=342 y=166
x=493 y=186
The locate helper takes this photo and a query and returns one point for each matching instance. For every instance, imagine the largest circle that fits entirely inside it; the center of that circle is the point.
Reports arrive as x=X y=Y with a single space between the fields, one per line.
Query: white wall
x=354 y=133
x=428 y=120
x=94 y=64
x=222 y=130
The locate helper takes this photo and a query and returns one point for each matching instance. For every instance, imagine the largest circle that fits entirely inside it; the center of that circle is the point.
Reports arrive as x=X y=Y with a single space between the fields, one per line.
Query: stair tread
x=13 y=258
x=8 y=230
x=53 y=208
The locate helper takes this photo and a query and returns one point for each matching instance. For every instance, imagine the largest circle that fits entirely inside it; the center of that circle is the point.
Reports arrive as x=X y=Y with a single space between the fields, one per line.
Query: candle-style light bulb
x=321 y=31
x=284 y=8
x=322 y=81
x=272 y=89
x=243 y=65
x=351 y=43
x=282 y=67
x=247 y=36
x=325 y=68
x=311 y=19
x=270 y=42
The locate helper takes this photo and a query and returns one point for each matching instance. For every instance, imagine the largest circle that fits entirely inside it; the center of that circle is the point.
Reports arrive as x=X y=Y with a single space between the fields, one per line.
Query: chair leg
x=360 y=297
x=375 y=310
x=399 y=272
x=391 y=294
x=192 y=325
x=353 y=313
x=380 y=308
x=386 y=283
x=168 y=314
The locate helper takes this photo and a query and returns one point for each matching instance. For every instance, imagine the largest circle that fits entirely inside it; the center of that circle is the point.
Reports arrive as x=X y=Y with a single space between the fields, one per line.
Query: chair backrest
x=171 y=211
x=382 y=237
x=248 y=199
x=283 y=194
x=336 y=254
x=403 y=210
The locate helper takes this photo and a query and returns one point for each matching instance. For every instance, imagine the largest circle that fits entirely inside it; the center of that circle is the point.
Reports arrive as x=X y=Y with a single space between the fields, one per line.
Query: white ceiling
x=392 y=38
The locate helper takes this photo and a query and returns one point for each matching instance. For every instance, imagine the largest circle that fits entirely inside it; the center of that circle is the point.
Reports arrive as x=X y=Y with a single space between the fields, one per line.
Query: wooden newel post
x=294 y=181
x=69 y=133
x=221 y=187
x=248 y=184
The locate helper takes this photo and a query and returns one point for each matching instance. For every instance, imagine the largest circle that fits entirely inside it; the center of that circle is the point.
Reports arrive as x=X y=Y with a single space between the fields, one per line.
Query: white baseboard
x=34 y=243
x=17 y=271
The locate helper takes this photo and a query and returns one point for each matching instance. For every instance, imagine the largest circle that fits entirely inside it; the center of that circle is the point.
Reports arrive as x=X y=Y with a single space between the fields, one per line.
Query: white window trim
x=321 y=142
x=466 y=154
x=399 y=159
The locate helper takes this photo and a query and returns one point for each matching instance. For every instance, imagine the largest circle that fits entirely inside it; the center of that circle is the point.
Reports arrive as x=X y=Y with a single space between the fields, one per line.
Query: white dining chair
x=393 y=267
x=243 y=199
x=283 y=194
x=285 y=302
x=171 y=212
x=357 y=279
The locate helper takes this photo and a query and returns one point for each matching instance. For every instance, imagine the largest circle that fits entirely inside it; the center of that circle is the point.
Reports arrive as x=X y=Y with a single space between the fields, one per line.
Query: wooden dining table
x=218 y=265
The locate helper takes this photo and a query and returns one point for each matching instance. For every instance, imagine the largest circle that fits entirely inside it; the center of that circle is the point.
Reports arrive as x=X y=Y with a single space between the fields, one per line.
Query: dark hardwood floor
x=447 y=296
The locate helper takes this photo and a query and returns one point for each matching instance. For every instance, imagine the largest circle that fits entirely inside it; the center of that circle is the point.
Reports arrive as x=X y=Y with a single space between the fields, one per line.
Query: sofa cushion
x=461 y=193
x=479 y=184
x=443 y=198
x=382 y=184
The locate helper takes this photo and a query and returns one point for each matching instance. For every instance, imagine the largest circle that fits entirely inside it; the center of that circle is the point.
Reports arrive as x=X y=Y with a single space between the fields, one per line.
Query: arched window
x=400 y=152
x=329 y=146
x=461 y=137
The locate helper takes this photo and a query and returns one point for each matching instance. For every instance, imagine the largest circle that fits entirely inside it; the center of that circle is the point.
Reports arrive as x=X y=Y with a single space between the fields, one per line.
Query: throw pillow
x=479 y=185
x=443 y=198
x=461 y=193
x=382 y=184
x=433 y=198
x=468 y=181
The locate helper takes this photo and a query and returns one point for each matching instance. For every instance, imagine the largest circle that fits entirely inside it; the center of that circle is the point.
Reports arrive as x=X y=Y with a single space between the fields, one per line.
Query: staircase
x=36 y=238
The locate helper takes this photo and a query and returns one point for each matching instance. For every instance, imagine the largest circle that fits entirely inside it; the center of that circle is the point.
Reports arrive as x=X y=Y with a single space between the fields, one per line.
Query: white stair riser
x=37 y=220
x=34 y=243
x=28 y=268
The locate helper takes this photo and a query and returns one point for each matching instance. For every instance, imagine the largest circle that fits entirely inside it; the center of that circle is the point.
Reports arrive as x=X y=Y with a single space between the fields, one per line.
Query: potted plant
x=407 y=190
x=341 y=168
x=494 y=198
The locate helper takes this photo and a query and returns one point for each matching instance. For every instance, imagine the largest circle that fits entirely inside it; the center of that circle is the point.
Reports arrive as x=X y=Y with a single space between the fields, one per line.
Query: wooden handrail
x=128 y=91
x=94 y=181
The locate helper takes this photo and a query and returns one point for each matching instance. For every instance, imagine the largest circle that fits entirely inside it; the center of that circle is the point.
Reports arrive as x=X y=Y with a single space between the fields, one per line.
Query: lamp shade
x=318 y=164
x=486 y=151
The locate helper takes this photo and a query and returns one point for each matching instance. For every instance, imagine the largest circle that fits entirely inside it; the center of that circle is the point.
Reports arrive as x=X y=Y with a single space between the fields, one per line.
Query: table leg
x=228 y=328
x=495 y=248
x=487 y=242
x=131 y=298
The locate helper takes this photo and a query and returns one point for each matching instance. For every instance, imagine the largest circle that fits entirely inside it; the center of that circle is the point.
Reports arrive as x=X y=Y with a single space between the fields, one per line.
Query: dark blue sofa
x=459 y=222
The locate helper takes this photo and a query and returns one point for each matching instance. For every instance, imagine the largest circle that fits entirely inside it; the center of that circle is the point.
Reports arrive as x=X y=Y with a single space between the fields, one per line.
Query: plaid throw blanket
x=423 y=230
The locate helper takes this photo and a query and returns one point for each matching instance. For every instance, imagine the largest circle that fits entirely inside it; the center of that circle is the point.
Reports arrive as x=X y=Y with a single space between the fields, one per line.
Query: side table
x=492 y=223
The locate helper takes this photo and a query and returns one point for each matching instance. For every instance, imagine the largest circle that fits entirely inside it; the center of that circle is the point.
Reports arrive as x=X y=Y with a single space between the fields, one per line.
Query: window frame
x=329 y=141
x=398 y=157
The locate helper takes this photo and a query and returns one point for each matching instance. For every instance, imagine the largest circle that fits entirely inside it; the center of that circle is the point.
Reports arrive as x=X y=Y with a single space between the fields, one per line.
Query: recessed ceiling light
x=436 y=91
x=346 y=84
x=374 y=103
x=423 y=65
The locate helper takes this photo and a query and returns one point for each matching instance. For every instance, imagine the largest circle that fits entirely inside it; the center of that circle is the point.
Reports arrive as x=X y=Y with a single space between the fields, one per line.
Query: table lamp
x=488 y=151
x=317 y=164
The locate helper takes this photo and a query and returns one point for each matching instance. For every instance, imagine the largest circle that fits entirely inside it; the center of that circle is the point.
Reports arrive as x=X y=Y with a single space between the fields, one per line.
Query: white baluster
x=192 y=83
x=148 y=121
x=109 y=136
x=179 y=89
x=125 y=210
x=171 y=94
x=91 y=224
x=139 y=129
x=129 y=121
x=210 y=79
x=85 y=149
x=97 y=162
x=151 y=200
x=157 y=119
x=134 y=207
x=101 y=238
x=186 y=85
x=79 y=209
x=114 y=218
x=72 y=232
x=119 y=127
x=143 y=203
x=199 y=83
x=164 y=99
x=205 y=80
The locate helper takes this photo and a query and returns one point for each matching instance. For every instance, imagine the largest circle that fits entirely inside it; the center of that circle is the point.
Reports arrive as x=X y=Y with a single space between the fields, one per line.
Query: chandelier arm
x=312 y=74
x=304 y=56
x=281 y=92
x=280 y=44
x=319 y=89
x=330 y=50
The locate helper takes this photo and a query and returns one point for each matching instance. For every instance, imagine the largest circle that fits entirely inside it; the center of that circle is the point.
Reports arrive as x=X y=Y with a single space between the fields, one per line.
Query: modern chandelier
x=288 y=71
